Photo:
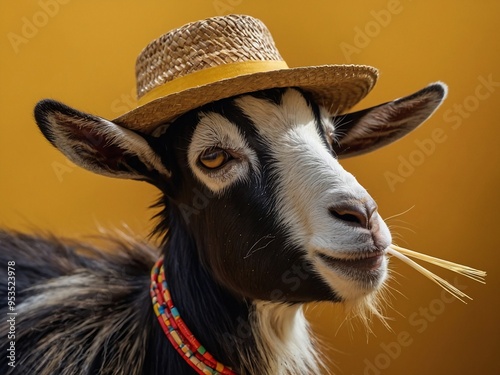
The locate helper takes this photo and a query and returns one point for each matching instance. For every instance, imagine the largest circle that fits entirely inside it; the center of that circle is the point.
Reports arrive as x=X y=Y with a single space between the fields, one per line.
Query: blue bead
x=175 y=312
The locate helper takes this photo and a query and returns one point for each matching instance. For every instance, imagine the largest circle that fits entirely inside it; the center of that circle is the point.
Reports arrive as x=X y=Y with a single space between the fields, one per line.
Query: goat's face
x=282 y=219
x=256 y=183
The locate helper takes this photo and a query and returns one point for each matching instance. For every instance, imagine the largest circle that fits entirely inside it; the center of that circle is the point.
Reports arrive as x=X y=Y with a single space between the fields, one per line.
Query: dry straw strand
x=471 y=273
x=403 y=254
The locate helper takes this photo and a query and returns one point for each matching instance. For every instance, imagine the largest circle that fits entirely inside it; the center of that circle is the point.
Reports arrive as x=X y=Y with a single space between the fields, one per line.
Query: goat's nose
x=355 y=212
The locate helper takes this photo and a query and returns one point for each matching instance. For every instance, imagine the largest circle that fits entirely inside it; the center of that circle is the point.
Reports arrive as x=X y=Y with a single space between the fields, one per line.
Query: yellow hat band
x=211 y=75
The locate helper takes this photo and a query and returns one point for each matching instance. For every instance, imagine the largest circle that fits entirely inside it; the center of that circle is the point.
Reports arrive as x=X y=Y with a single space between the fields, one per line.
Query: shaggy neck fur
x=93 y=314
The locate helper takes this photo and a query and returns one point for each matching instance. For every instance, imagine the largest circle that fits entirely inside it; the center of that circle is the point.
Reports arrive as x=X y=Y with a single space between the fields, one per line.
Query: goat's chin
x=355 y=281
x=362 y=293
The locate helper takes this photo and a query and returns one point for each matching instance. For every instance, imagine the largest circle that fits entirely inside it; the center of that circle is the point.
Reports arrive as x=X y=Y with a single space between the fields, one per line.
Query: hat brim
x=336 y=87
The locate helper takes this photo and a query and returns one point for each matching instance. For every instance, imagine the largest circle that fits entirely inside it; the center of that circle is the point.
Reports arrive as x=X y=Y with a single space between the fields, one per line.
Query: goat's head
x=255 y=181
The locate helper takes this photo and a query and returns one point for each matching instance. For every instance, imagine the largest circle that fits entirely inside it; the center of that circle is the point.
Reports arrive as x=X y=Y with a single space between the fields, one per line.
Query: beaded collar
x=176 y=330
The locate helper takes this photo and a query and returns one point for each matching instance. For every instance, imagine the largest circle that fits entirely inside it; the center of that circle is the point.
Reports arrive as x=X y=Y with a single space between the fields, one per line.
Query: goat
x=257 y=217
x=278 y=223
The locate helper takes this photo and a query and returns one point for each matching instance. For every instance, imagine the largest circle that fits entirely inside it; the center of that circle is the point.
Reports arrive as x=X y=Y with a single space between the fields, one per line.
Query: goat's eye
x=214 y=158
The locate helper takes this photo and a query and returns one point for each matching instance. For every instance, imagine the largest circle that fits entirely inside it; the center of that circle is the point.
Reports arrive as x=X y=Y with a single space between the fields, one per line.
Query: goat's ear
x=97 y=144
x=367 y=130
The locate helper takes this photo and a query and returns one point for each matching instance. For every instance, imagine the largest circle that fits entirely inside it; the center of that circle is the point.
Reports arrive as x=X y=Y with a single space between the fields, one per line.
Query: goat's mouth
x=368 y=262
x=355 y=274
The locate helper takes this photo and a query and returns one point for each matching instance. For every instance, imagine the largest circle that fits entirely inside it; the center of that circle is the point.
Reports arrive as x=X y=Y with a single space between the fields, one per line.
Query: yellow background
x=83 y=53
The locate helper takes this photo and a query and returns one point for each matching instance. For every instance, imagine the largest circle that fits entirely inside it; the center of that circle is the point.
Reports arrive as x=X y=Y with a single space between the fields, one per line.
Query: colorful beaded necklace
x=176 y=330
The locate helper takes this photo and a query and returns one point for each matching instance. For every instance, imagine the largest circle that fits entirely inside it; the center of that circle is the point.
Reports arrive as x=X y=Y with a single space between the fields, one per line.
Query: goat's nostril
x=350 y=215
x=355 y=214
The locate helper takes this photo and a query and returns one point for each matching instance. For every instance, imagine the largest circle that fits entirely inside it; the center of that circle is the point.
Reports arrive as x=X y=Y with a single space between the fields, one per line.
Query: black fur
x=86 y=311
x=115 y=297
x=116 y=308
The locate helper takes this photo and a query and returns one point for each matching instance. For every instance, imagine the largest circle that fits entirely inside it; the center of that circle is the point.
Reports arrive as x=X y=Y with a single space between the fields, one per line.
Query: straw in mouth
x=403 y=254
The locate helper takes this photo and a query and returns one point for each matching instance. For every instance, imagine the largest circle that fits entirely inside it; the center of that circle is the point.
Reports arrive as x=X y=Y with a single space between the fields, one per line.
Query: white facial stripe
x=309 y=181
x=214 y=130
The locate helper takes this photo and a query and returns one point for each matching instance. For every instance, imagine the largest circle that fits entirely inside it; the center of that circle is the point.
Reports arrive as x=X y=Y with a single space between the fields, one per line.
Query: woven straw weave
x=204 y=44
x=219 y=42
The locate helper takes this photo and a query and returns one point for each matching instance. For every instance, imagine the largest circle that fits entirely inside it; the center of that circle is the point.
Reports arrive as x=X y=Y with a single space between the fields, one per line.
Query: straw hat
x=220 y=57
